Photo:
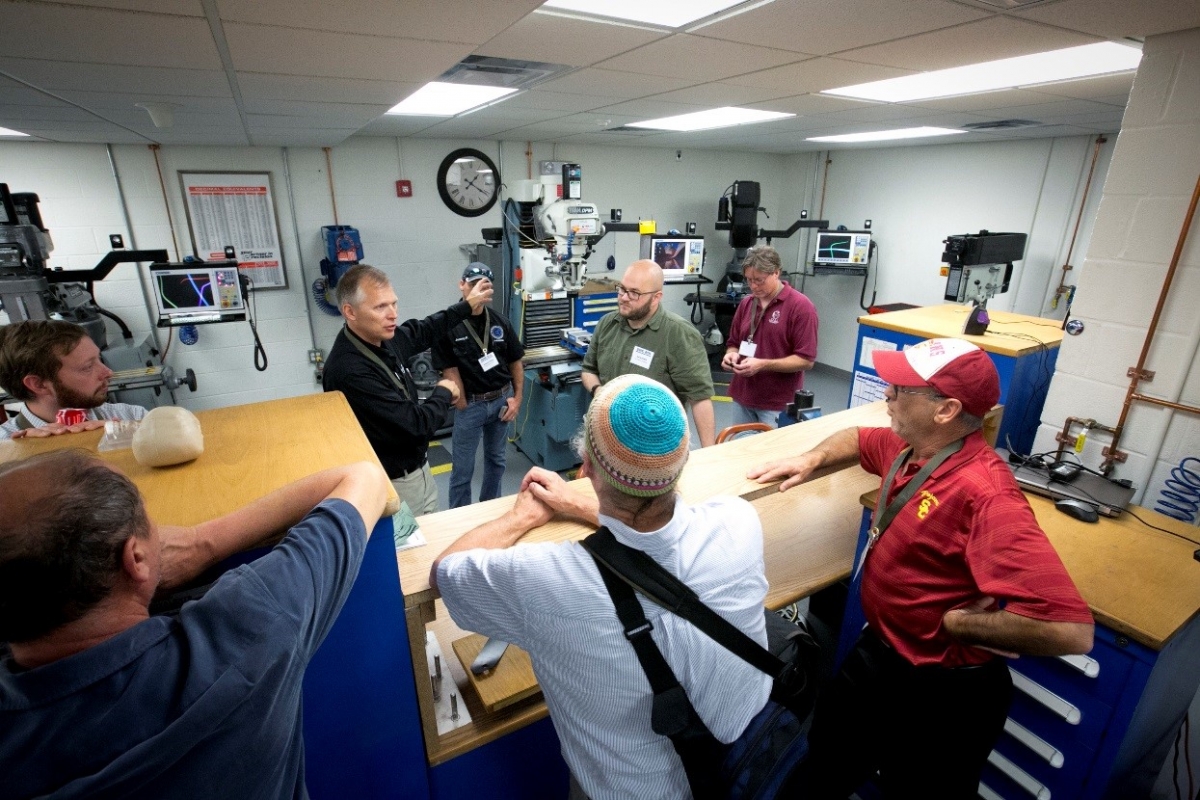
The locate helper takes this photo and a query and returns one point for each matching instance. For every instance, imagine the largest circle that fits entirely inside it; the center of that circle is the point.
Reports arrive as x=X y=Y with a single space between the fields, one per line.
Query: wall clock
x=468 y=182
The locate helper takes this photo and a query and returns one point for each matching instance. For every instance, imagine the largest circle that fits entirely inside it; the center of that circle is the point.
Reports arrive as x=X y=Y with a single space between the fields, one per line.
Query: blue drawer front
x=1093 y=717
x=1065 y=781
x=1066 y=681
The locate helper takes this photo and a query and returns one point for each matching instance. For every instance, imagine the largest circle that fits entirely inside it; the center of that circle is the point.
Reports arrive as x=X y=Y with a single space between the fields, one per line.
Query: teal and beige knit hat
x=637 y=435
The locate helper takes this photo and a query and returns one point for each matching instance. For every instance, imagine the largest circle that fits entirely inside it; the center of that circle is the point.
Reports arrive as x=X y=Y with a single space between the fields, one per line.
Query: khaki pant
x=418 y=490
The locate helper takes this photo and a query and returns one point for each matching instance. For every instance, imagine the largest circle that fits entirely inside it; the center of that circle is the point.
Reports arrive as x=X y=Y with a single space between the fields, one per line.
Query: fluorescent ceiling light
x=1007 y=73
x=669 y=13
x=713 y=118
x=447 y=99
x=883 y=136
x=7 y=132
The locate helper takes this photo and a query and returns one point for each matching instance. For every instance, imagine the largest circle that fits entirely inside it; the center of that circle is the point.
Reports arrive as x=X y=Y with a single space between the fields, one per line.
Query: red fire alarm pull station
x=404 y=188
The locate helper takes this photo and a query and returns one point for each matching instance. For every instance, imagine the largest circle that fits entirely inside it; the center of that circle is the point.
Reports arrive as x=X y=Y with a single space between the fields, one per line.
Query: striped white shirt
x=103 y=411
x=549 y=599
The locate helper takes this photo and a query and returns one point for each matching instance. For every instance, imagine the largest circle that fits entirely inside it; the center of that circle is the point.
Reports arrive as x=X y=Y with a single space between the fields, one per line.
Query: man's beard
x=69 y=398
x=638 y=314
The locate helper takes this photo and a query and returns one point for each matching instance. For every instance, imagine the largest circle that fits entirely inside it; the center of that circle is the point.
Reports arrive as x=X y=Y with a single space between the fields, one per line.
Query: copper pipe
x=1088 y=425
x=329 y=173
x=163 y=185
x=1062 y=280
x=1138 y=371
x=1154 y=401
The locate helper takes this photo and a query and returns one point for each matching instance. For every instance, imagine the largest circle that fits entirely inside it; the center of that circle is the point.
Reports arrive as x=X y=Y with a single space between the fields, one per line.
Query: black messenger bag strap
x=646 y=576
x=672 y=714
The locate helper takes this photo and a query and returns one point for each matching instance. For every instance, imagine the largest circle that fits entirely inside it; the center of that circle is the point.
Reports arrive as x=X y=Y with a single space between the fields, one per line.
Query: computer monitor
x=679 y=256
x=843 y=248
x=197 y=293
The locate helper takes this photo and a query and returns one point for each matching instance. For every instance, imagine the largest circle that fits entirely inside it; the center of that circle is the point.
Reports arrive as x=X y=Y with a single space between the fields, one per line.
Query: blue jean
x=470 y=423
x=743 y=414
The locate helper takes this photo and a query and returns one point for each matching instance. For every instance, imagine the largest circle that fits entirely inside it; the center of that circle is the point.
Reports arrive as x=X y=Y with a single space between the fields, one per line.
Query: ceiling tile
x=396 y=126
x=187 y=8
x=1104 y=89
x=1001 y=101
x=697 y=58
x=559 y=40
x=1115 y=19
x=558 y=101
x=57 y=76
x=650 y=108
x=295 y=51
x=719 y=93
x=816 y=75
x=101 y=36
x=822 y=28
x=806 y=104
x=983 y=40
x=263 y=87
x=611 y=83
x=466 y=21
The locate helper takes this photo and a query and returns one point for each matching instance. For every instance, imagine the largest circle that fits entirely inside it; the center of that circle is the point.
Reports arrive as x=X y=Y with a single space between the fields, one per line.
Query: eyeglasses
x=899 y=390
x=633 y=294
x=759 y=281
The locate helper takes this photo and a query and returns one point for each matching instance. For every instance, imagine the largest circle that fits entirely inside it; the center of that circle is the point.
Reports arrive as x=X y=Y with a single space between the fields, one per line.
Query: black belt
x=404 y=473
x=871 y=641
x=485 y=397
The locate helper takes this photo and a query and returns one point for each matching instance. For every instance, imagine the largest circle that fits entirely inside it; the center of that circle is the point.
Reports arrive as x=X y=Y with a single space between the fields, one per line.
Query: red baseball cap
x=953 y=367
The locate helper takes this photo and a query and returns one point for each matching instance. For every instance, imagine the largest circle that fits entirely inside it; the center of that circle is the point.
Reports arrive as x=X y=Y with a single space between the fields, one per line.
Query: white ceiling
x=310 y=72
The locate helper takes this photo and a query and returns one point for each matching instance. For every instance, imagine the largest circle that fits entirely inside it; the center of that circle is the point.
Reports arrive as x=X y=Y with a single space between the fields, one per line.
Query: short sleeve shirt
x=667 y=348
x=968 y=532
x=786 y=327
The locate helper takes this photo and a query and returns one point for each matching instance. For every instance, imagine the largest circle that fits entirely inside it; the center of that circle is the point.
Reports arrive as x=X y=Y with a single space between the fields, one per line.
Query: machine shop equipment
x=980 y=266
x=30 y=290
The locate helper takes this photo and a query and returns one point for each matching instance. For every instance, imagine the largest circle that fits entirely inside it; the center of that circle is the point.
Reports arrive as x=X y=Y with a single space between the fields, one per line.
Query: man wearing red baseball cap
x=956 y=574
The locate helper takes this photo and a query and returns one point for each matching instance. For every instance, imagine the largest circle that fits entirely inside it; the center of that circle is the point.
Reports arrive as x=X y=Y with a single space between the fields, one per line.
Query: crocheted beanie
x=637 y=435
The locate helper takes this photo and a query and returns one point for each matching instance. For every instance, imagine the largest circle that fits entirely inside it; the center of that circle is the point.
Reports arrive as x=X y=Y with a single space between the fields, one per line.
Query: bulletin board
x=236 y=209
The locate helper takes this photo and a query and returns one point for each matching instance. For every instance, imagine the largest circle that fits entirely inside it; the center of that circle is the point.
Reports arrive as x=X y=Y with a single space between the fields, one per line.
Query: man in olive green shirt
x=642 y=338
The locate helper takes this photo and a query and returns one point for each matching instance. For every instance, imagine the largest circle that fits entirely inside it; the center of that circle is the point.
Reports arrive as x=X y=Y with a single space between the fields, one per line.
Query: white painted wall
x=916 y=196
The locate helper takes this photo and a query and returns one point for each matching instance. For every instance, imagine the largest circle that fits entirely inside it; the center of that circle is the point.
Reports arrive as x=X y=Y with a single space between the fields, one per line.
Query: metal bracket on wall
x=1142 y=375
x=1119 y=456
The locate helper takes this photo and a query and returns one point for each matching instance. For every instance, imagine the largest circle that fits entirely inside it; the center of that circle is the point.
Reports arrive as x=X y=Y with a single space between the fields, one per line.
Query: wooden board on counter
x=510 y=682
x=1008 y=334
x=710 y=472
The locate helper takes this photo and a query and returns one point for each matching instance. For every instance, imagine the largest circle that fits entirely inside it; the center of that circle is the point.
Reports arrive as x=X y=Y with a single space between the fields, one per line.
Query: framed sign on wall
x=236 y=209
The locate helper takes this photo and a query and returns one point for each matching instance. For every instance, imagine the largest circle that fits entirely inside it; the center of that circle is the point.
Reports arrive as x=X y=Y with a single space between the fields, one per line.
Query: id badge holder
x=748 y=349
x=489 y=362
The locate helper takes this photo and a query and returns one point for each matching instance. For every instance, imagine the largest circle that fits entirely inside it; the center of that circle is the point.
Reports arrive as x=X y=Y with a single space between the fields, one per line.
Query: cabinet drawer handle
x=1088 y=666
x=1037 y=744
x=1049 y=699
x=1019 y=776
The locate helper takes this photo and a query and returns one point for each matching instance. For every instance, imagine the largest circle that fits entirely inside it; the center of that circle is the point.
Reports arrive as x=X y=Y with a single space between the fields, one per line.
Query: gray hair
x=762 y=258
x=349 y=288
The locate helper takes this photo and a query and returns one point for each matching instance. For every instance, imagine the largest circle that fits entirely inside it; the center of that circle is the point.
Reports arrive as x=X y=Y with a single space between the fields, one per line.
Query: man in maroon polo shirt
x=772 y=340
x=958 y=575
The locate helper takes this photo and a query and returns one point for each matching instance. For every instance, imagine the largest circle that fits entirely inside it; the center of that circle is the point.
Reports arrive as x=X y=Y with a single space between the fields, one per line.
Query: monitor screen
x=843 y=247
x=193 y=294
x=679 y=256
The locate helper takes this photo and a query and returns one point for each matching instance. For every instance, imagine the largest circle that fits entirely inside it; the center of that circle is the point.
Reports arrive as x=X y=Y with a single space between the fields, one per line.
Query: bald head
x=645 y=274
x=64 y=519
x=640 y=292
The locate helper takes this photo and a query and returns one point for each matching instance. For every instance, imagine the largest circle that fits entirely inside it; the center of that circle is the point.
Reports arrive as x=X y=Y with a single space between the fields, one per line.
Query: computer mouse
x=1079 y=509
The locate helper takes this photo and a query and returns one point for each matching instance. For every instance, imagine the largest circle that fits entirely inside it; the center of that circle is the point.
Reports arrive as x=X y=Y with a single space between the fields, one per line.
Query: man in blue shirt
x=100 y=699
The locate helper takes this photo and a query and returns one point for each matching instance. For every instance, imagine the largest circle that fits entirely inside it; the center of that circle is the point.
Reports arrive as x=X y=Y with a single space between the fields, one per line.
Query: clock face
x=468 y=182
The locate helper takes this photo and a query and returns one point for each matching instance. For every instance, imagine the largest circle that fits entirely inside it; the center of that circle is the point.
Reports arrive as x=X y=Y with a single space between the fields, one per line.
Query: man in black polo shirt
x=369 y=364
x=483 y=357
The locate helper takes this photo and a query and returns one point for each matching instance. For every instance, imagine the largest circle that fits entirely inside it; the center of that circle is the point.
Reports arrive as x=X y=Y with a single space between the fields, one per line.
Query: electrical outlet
x=315 y=356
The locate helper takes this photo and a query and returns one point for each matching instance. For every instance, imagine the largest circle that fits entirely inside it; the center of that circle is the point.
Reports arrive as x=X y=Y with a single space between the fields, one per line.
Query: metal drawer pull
x=1037 y=744
x=1020 y=776
x=988 y=793
x=1088 y=666
x=1047 y=698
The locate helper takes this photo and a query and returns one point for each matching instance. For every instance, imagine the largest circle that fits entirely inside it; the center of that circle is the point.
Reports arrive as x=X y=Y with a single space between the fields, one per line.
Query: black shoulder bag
x=775 y=741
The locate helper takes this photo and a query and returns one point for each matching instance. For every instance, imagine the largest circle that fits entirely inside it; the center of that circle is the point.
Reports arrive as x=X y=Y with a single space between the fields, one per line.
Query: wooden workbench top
x=249 y=451
x=809 y=532
x=1007 y=335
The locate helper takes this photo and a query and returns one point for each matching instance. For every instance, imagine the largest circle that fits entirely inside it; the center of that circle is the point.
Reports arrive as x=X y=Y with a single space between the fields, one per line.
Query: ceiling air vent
x=1001 y=125
x=506 y=72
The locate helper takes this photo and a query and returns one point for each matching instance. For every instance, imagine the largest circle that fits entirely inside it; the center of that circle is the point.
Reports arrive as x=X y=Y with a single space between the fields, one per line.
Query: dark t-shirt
x=462 y=350
x=203 y=704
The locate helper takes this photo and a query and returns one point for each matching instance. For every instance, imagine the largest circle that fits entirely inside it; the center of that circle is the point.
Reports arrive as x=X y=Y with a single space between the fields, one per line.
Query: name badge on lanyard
x=748 y=349
x=489 y=362
x=641 y=357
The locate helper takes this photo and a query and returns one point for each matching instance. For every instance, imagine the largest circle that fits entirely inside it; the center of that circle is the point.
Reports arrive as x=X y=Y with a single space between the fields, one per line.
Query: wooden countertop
x=809 y=532
x=1005 y=335
x=249 y=451
x=1139 y=582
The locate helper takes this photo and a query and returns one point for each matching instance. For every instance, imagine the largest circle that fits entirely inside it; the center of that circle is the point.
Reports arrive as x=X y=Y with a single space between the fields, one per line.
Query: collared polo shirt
x=788 y=326
x=667 y=348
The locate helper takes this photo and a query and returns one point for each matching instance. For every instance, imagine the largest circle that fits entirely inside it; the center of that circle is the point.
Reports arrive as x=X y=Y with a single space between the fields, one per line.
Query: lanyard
x=755 y=317
x=487 y=331
x=883 y=516
x=377 y=361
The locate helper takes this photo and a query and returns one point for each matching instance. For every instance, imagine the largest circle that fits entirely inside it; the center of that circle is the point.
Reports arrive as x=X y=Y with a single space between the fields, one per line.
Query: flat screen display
x=679 y=256
x=193 y=294
x=843 y=247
